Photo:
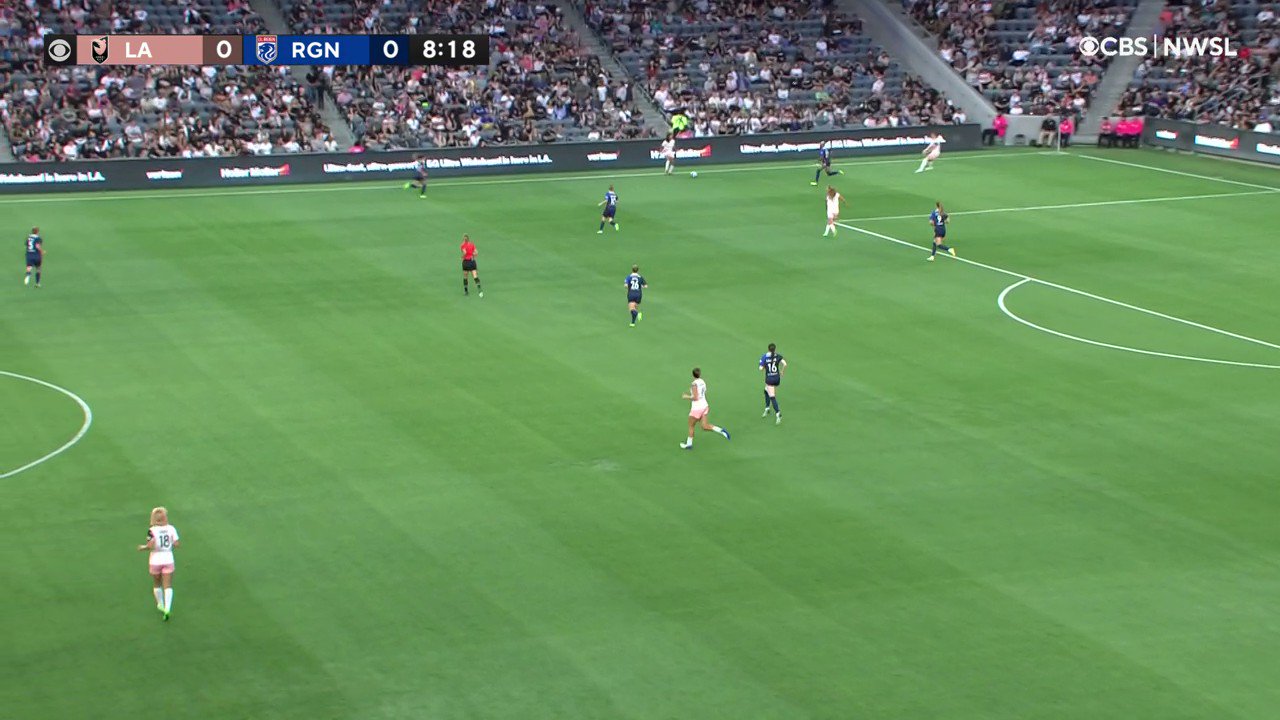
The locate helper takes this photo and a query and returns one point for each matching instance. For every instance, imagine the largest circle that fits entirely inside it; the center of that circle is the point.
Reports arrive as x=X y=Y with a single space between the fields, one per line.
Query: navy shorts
x=633 y=298
x=34 y=260
x=773 y=381
x=609 y=212
x=940 y=232
x=468 y=265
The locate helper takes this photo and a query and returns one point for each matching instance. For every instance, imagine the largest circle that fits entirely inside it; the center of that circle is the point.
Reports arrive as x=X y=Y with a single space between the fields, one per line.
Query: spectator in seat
x=1065 y=130
x=994 y=135
x=1106 y=133
x=1048 y=131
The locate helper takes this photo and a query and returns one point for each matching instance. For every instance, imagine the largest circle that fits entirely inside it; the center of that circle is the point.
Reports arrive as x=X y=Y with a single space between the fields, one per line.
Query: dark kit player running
x=635 y=293
x=938 y=219
x=35 y=256
x=419 y=176
x=773 y=366
x=610 y=204
x=469 y=265
x=824 y=163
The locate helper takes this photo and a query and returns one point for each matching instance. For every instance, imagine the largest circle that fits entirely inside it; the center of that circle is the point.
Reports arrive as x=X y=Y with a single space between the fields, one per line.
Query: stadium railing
x=462 y=162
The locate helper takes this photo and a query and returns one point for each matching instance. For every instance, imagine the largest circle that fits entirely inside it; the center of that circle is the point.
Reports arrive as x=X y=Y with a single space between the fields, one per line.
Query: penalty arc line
x=1000 y=301
x=84 y=428
x=1066 y=288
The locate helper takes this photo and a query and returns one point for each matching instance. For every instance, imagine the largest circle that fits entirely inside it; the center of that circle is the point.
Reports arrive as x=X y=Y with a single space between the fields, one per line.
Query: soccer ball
x=693 y=174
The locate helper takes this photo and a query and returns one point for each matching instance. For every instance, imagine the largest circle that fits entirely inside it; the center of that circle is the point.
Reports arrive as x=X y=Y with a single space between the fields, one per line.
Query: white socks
x=830 y=229
x=168 y=599
x=159 y=593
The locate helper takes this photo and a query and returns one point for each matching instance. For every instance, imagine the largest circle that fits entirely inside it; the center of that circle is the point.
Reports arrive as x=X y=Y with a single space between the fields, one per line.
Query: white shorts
x=699 y=411
x=668 y=156
x=934 y=155
x=832 y=217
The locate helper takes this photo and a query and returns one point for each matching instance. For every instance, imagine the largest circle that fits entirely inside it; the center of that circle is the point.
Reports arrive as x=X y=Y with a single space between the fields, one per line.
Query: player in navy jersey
x=610 y=204
x=35 y=256
x=773 y=366
x=635 y=293
x=419 y=176
x=938 y=219
x=824 y=163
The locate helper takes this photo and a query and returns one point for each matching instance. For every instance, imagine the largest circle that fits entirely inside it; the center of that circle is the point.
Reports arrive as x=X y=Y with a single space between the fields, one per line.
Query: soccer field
x=1038 y=481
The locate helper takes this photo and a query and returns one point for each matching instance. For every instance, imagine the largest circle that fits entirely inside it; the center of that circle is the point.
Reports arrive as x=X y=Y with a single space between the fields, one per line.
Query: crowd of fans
x=80 y=112
x=722 y=67
x=1241 y=91
x=539 y=87
x=761 y=65
x=1022 y=54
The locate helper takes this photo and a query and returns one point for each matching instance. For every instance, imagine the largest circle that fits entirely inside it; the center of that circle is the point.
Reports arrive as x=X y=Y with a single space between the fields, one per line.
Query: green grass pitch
x=399 y=502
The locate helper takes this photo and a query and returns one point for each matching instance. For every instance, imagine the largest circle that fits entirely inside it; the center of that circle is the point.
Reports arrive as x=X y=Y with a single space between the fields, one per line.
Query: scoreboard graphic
x=276 y=50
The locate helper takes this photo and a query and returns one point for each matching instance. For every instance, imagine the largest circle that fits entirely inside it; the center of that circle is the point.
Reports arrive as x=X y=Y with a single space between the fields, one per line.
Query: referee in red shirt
x=469 y=266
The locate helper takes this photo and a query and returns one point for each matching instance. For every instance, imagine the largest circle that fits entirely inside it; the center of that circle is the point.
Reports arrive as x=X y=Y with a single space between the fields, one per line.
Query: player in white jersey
x=162 y=539
x=699 y=409
x=931 y=152
x=669 y=153
x=833 y=210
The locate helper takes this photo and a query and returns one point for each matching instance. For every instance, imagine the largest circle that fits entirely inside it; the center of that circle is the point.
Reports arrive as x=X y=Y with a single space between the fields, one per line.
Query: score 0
x=223 y=50
x=389 y=50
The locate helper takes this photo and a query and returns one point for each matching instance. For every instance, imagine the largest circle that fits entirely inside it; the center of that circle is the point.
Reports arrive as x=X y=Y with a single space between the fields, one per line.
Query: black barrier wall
x=1217 y=140
x=461 y=162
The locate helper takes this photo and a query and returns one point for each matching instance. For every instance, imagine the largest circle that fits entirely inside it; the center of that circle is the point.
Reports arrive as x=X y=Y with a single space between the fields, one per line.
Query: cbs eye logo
x=60 y=49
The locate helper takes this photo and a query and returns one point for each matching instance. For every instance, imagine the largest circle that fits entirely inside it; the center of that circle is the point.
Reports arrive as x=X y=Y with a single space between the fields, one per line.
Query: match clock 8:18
x=450 y=50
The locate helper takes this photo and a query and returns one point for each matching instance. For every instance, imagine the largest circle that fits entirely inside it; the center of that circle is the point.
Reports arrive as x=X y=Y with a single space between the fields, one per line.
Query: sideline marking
x=456 y=182
x=1126 y=163
x=1100 y=203
x=1000 y=301
x=1027 y=278
x=84 y=407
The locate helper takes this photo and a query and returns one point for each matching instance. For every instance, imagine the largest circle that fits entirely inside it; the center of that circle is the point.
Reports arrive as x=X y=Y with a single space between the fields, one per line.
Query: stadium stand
x=540 y=86
x=106 y=112
x=761 y=65
x=1022 y=54
x=1243 y=91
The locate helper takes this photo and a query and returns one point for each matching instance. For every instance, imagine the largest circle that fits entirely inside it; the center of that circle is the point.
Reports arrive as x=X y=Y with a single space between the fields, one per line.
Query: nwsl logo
x=267 y=49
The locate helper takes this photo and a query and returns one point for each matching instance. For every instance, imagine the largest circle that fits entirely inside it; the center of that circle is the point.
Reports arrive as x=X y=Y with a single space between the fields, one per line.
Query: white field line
x=603 y=174
x=1065 y=288
x=1140 y=166
x=84 y=428
x=1065 y=206
x=1000 y=301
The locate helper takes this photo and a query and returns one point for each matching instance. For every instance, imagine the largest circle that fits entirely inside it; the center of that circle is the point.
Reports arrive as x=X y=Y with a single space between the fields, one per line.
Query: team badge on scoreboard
x=99 y=50
x=267 y=49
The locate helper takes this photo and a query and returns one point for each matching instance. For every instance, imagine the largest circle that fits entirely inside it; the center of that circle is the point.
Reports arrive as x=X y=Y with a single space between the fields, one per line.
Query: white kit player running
x=669 y=153
x=833 y=210
x=699 y=409
x=162 y=539
x=931 y=152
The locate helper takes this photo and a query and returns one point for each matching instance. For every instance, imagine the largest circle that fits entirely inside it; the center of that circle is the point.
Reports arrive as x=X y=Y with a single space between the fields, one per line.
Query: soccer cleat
x=481 y=293
x=26 y=280
x=422 y=196
x=952 y=251
x=616 y=227
x=778 y=419
x=160 y=607
x=166 y=616
x=599 y=232
x=815 y=182
x=639 y=316
x=930 y=258
x=633 y=324
x=408 y=185
x=920 y=170
x=725 y=433
x=765 y=413
x=686 y=446
x=930 y=167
